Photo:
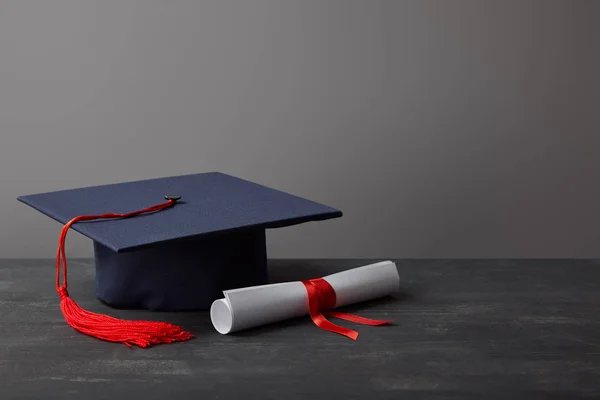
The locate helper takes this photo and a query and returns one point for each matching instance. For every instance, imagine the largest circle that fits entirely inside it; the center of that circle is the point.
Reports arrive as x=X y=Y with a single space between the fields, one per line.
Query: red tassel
x=139 y=333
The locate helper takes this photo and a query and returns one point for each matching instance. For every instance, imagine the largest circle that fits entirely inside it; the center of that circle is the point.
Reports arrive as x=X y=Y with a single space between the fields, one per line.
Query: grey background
x=441 y=129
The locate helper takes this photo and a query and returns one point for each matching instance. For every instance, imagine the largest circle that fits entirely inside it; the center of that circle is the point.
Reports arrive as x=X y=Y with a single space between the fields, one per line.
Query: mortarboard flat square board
x=183 y=257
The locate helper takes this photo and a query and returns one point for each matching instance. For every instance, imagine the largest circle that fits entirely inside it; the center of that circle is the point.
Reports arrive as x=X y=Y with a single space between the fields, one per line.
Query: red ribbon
x=321 y=297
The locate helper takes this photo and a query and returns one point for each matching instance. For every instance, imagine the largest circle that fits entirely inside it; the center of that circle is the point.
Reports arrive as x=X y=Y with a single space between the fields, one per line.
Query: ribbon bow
x=321 y=297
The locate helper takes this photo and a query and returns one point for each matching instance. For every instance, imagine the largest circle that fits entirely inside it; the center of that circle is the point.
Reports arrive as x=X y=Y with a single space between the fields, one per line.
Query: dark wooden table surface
x=464 y=329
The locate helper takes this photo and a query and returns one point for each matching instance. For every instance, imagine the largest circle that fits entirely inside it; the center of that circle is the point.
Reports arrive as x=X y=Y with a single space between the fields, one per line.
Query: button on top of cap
x=172 y=197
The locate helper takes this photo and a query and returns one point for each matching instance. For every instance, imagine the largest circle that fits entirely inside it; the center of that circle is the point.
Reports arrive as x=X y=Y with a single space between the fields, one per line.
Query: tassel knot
x=62 y=292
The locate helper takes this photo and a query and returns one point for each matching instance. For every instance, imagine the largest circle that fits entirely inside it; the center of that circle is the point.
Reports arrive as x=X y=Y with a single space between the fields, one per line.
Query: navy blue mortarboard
x=182 y=254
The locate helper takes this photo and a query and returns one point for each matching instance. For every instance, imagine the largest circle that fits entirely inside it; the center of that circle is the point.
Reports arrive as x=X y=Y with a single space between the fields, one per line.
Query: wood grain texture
x=464 y=329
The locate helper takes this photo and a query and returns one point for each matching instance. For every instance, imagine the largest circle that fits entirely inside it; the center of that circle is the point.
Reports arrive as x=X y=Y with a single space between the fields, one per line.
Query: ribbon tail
x=322 y=322
x=357 y=319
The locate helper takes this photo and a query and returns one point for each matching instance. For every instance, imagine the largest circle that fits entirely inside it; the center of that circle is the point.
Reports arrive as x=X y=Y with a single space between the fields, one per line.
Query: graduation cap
x=180 y=253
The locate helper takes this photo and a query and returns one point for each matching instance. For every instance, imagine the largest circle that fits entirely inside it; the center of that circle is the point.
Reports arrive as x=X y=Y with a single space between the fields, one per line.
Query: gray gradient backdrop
x=441 y=128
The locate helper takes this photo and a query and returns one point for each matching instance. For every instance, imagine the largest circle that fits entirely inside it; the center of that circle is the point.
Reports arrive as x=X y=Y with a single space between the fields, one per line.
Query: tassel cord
x=104 y=327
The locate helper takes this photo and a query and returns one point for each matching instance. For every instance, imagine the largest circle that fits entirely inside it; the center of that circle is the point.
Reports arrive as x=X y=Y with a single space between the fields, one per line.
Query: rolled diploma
x=260 y=305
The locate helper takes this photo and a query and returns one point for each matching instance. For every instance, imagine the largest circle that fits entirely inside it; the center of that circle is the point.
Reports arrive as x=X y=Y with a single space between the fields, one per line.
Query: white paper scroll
x=260 y=305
